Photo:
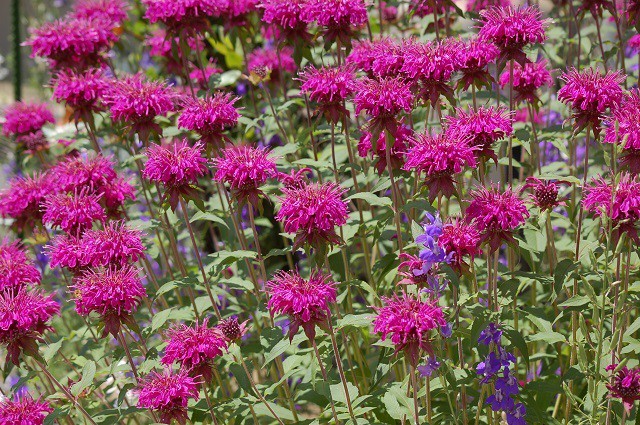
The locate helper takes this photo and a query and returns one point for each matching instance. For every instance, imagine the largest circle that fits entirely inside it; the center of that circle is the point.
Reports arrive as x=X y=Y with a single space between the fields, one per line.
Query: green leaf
x=576 y=301
x=88 y=372
x=338 y=394
x=223 y=259
x=51 y=350
x=209 y=216
x=355 y=320
x=372 y=199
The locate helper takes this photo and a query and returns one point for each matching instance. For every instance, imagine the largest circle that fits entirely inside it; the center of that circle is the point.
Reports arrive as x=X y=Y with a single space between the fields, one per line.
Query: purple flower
x=516 y=416
x=500 y=401
x=489 y=367
x=429 y=367
x=507 y=383
x=492 y=333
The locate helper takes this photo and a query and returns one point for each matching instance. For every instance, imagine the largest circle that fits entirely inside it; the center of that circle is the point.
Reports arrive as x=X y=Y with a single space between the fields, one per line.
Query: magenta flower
x=113 y=293
x=137 y=102
x=512 y=29
x=68 y=251
x=188 y=15
x=305 y=302
x=496 y=215
x=545 y=192
x=590 y=94
x=380 y=58
x=24 y=317
x=383 y=100
x=476 y=55
x=194 y=348
x=275 y=62
x=431 y=65
x=24 y=410
x=461 y=240
x=623 y=208
x=201 y=77
x=73 y=213
x=232 y=330
x=422 y=8
x=115 y=244
x=440 y=157
x=163 y=48
x=329 y=87
x=287 y=15
x=168 y=393
x=484 y=127
x=245 y=169
x=527 y=80
x=623 y=128
x=339 y=17
x=112 y=11
x=24 y=198
x=401 y=140
x=312 y=211
x=76 y=43
x=634 y=43
x=16 y=269
x=22 y=118
x=82 y=91
x=625 y=385
x=409 y=321
x=210 y=117
x=177 y=166
x=238 y=12
x=480 y=5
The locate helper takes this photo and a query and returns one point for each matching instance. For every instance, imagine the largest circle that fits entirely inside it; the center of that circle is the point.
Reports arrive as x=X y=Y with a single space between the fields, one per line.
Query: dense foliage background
x=324 y=211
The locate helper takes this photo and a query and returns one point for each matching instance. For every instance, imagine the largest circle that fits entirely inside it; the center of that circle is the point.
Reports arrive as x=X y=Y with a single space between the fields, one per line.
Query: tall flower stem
x=325 y=378
x=127 y=352
x=66 y=392
x=389 y=140
x=256 y=240
x=205 y=279
x=343 y=378
x=511 y=107
x=414 y=385
x=209 y=404
x=257 y=392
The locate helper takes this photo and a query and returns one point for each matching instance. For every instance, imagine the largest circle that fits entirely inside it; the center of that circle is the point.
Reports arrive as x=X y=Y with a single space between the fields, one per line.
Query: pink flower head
x=624 y=125
x=168 y=393
x=625 y=385
x=24 y=410
x=461 y=240
x=115 y=244
x=527 y=80
x=633 y=11
x=440 y=157
x=329 y=87
x=401 y=140
x=275 y=62
x=112 y=11
x=137 y=102
x=422 y=8
x=312 y=211
x=590 y=94
x=190 y=15
x=24 y=317
x=166 y=47
x=96 y=174
x=232 y=330
x=82 y=91
x=16 y=269
x=484 y=126
x=194 y=348
x=210 y=117
x=411 y=269
x=623 y=208
x=177 y=166
x=476 y=55
x=383 y=100
x=24 y=198
x=380 y=58
x=596 y=7
x=545 y=192
x=480 y=5
x=634 y=43
x=306 y=302
x=22 y=118
x=33 y=142
x=68 y=251
x=245 y=168
x=389 y=11
x=432 y=65
x=76 y=43
x=73 y=213
x=496 y=215
x=511 y=29
x=201 y=77
x=287 y=15
x=237 y=14
x=410 y=322
x=113 y=293
x=339 y=17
